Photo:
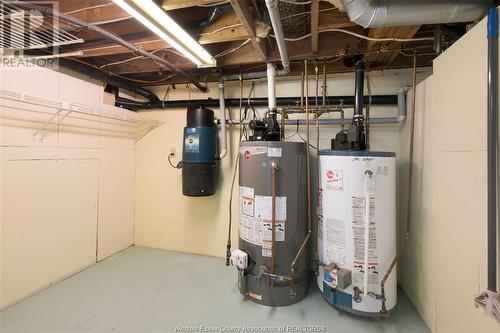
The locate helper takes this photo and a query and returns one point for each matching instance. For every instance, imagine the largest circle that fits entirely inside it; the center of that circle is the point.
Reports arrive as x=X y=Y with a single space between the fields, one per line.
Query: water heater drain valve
x=239 y=259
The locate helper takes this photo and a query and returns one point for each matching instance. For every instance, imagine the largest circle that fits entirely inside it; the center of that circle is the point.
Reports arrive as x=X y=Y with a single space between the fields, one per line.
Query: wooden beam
x=383 y=59
x=220 y=32
x=109 y=12
x=334 y=19
x=314 y=25
x=338 y=4
x=208 y=35
x=178 y=4
x=245 y=55
x=330 y=44
x=242 y=10
x=147 y=43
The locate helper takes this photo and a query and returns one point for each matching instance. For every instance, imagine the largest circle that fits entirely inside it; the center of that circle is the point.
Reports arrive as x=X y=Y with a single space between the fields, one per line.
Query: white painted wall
x=444 y=266
x=67 y=201
x=167 y=219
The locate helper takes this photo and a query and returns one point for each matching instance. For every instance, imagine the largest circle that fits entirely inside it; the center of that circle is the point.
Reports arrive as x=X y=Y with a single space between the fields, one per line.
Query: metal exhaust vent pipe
x=387 y=13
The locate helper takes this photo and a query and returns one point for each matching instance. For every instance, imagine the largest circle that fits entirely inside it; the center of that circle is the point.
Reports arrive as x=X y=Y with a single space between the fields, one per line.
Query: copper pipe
x=324 y=83
x=316 y=72
x=308 y=167
x=308 y=153
x=283 y=113
x=412 y=138
x=318 y=178
x=302 y=88
x=301 y=249
x=318 y=175
x=274 y=170
x=277 y=276
x=228 y=244
x=367 y=111
x=410 y=185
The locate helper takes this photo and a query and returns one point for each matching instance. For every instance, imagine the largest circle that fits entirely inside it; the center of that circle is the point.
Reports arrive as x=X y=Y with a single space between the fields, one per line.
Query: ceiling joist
x=242 y=10
x=384 y=58
x=314 y=25
x=178 y=4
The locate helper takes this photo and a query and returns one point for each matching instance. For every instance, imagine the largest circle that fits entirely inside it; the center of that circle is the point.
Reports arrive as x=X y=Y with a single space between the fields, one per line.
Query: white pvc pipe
x=274 y=15
x=222 y=117
x=271 y=86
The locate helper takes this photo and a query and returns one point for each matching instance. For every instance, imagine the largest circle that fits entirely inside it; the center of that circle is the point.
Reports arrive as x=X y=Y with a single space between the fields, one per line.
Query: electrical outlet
x=173 y=151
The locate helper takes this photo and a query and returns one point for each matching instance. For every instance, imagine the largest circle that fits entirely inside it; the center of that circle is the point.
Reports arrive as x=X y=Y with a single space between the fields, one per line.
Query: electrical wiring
x=89 y=8
x=226 y=52
x=213 y=4
x=305 y=141
x=136 y=58
x=249 y=107
x=230 y=116
x=307 y=13
x=146 y=81
x=295 y=133
x=296 y=2
x=119 y=19
x=121 y=61
x=418 y=54
x=221 y=29
x=165 y=97
x=178 y=166
x=124 y=77
x=388 y=39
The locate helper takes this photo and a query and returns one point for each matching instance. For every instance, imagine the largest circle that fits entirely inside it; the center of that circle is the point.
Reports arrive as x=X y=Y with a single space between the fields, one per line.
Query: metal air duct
x=386 y=13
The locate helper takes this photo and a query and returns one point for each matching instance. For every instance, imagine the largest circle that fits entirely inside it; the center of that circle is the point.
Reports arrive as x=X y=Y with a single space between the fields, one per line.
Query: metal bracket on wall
x=47 y=127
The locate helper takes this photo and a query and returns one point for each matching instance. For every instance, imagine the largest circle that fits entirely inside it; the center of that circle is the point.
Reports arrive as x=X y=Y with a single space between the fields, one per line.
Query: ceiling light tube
x=157 y=20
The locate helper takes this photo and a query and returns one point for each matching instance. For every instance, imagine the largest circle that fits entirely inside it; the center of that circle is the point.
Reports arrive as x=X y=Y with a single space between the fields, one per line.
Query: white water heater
x=353 y=259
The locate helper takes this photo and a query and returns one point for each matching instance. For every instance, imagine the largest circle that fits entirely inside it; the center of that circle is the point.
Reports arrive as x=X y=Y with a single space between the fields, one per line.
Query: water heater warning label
x=335 y=241
x=264 y=207
x=256 y=219
x=335 y=180
x=274 y=152
x=358 y=228
x=259 y=232
x=247 y=200
x=251 y=229
x=267 y=236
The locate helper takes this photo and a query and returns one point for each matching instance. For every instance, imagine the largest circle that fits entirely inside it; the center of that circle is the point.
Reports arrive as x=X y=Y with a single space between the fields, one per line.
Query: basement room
x=249 y=166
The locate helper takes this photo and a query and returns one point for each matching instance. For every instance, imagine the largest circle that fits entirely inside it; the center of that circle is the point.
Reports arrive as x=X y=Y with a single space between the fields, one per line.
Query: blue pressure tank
x=199 y=154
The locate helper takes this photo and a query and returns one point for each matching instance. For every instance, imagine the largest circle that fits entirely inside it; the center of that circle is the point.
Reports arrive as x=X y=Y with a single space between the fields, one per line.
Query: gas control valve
x=239 y=259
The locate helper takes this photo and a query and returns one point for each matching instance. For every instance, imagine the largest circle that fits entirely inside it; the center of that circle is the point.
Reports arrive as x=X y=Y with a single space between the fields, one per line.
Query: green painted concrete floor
x=149 y=290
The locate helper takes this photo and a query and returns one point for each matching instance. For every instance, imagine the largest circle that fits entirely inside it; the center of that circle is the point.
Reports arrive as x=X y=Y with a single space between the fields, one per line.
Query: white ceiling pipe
x=274 y=15
x=386 y=13
x=271 y=86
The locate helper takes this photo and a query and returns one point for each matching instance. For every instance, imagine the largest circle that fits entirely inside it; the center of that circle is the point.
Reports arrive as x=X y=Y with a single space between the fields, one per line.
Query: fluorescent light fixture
x=156 y=20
